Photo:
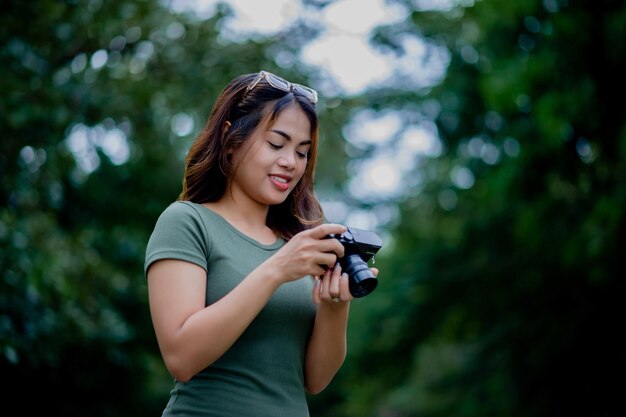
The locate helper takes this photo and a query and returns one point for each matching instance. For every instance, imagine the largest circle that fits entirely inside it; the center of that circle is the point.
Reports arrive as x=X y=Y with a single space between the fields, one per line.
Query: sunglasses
x=284 y=85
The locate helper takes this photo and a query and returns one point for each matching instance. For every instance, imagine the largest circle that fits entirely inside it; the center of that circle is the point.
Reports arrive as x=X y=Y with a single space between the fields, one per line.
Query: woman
x=249 y=305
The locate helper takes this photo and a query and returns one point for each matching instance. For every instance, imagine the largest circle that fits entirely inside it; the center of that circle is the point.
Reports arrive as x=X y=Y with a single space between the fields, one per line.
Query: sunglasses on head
x=284 y=85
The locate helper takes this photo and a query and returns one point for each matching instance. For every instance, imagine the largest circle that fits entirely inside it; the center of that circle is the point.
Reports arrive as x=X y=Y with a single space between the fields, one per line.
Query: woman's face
x=272 y=161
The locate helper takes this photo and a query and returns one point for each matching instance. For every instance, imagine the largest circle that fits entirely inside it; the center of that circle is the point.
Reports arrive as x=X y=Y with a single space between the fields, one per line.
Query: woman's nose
x=287 y=161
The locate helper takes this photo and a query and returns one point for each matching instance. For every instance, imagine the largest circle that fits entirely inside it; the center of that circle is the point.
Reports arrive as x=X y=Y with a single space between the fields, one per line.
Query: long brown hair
x=208 y=165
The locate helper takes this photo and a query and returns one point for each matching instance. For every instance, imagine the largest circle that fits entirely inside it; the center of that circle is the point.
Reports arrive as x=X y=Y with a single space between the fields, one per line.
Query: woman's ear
x=226 y=127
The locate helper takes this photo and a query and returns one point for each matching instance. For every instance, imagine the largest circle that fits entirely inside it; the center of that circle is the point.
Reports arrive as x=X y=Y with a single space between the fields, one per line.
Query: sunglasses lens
x=307 y=92
x=277 y=82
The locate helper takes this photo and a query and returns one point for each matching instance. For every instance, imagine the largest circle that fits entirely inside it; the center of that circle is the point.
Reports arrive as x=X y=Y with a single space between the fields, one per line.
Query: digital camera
x=360 y=246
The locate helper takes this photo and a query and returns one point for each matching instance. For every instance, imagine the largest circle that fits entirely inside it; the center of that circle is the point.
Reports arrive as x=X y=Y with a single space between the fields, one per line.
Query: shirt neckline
x=275 y=245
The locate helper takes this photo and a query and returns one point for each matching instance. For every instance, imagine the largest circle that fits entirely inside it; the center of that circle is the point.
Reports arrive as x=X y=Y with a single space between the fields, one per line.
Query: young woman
x=249 y=305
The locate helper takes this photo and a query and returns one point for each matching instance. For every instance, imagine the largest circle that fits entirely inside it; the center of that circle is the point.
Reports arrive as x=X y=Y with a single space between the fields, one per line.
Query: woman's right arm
x=190 y=335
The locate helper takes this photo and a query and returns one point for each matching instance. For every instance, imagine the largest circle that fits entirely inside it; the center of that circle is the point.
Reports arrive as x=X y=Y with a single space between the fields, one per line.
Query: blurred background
x=484 y=140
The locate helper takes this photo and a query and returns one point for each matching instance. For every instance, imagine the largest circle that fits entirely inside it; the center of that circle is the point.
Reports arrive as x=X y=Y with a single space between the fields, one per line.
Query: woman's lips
x=281 y=182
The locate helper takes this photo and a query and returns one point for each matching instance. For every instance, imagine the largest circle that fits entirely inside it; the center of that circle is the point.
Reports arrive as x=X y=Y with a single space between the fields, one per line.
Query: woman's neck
x=246 y=216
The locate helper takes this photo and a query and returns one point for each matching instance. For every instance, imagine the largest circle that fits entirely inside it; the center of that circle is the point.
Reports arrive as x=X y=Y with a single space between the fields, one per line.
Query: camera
x=360 y=246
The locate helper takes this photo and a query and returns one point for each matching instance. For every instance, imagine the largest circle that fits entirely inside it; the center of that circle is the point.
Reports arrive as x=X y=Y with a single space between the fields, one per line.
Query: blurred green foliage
x=504 y=298
x=500 y=285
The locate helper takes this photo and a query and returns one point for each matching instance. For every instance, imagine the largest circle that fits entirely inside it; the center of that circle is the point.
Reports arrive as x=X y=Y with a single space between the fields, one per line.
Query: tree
x=501 y=296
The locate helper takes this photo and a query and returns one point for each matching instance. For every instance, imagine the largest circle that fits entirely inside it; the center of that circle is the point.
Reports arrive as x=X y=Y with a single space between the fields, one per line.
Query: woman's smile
x=281 y=182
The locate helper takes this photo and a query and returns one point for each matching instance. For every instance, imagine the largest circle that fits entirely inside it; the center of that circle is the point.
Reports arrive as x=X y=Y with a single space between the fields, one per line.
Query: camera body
x=360 y=246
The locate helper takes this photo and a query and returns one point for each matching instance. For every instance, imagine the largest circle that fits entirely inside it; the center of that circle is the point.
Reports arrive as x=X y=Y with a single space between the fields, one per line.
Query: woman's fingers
x=334 y=286
x=326 y=259
x=311 y=252
x=326 y=229
x=344 y=288
x=325 y=286
x=331 y=245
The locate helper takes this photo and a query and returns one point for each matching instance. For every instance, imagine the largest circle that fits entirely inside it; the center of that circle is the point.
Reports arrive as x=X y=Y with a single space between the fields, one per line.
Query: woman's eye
x=275 y=146
x=301 y=154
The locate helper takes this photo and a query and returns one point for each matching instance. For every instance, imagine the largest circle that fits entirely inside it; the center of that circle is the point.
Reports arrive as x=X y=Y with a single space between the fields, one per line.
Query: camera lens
x=362 y=280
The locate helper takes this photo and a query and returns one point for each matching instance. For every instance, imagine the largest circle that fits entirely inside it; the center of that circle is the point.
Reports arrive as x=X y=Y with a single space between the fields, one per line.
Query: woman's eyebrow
x=286 y=136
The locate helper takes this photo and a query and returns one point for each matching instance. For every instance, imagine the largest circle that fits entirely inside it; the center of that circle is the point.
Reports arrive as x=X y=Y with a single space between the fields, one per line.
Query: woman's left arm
x=327 y=346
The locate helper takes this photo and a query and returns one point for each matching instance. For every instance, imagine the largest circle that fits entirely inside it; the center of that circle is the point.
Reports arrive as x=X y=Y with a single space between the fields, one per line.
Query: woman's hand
x=334 y=286
x=309 y=252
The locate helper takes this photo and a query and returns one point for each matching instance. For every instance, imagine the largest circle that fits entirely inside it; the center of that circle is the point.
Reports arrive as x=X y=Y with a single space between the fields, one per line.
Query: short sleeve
x=178 y=234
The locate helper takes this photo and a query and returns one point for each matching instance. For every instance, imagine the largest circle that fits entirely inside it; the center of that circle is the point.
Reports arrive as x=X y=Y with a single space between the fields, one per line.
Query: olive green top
x=262 y=373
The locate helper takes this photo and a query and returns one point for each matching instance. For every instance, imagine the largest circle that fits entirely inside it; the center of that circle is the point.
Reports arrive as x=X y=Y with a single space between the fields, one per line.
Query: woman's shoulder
x=180 y=207
x=179 y=212
x=192 y=214
x=179 y=233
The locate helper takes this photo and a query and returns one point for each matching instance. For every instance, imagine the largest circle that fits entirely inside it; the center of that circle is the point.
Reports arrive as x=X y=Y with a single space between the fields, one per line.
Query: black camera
x=360 y=246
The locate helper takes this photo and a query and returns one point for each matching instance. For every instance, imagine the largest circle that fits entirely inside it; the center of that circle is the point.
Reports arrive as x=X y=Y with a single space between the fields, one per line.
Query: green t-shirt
x=262 y=373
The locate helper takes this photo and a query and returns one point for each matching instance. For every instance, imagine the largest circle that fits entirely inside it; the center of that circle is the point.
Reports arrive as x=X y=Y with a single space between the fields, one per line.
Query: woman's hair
x=208 y=164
